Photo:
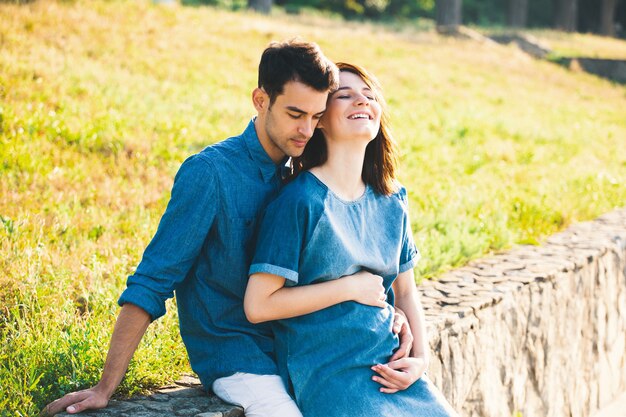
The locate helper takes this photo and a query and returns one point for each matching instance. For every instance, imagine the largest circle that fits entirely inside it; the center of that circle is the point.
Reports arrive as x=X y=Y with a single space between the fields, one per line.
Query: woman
x=343 y=213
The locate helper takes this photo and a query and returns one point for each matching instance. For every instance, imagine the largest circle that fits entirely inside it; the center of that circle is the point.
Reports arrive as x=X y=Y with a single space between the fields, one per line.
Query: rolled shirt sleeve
x=179 y=239
x=409 y=255
x=281 y=238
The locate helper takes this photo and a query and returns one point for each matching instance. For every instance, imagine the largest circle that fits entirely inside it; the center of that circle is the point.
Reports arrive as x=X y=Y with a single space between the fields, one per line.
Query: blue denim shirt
x=202 y=250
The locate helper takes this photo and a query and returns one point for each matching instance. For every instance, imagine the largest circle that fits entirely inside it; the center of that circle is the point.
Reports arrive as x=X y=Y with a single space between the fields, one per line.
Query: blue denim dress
x=309 y=235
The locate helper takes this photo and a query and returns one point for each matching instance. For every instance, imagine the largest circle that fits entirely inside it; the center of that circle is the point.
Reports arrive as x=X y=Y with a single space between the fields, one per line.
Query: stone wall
x=612 y=69
x=538 y=330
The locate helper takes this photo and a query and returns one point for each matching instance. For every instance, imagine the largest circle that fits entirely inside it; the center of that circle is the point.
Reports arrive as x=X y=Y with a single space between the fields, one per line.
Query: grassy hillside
x=565 y=44
x=101 y=101
x=579 y=45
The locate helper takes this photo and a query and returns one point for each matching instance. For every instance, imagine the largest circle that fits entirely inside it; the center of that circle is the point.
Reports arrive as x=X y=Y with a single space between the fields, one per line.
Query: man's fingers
x=75 y=402
x=76 y=408
x=89 y=403
x=400 y=323
x=62 y=403
x=397 y=323
x=405 y=336
x=402 y=352
x=398 y=354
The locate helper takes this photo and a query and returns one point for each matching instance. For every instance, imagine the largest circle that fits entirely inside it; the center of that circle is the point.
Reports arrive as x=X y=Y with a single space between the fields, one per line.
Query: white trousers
x=259 y=395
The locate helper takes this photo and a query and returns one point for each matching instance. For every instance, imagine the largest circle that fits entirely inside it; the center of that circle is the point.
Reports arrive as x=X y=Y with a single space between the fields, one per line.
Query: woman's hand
x=367 y=288
x=399 y=375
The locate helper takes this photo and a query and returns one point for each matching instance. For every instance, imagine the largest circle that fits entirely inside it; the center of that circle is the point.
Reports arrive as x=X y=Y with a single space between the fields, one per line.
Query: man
x=204 y=242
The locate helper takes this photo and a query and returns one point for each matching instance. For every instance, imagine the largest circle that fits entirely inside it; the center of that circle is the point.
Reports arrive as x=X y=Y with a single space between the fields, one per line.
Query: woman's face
x=352 y=111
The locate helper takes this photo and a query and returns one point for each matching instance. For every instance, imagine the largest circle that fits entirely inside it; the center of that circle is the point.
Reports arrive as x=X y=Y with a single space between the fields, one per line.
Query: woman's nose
x=361 y=100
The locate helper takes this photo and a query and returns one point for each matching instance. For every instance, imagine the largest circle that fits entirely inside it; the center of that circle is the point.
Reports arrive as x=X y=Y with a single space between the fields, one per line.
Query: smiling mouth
x=362 y=116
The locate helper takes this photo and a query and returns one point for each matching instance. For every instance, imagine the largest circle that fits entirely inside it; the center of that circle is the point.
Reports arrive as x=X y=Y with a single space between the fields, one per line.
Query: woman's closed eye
x=347 y=96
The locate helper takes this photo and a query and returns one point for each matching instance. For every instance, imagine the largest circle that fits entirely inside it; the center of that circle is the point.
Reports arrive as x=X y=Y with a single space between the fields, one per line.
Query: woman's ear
x=260 y=100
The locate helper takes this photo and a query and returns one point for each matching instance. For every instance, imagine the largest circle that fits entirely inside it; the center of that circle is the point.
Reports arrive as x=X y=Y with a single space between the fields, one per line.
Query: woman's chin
x=364 y=134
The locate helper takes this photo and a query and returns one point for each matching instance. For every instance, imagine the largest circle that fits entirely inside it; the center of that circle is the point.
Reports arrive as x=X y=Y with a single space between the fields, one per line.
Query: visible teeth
x=359 y=116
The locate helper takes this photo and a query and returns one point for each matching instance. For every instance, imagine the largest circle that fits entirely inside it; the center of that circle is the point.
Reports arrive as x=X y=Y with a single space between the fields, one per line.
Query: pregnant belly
x=345 y=339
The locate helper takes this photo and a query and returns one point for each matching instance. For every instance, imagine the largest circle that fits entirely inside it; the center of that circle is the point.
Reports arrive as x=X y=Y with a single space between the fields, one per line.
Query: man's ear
x=260 y=100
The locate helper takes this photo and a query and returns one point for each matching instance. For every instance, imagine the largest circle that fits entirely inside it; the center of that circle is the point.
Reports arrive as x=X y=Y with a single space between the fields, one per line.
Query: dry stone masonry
x=538 y=330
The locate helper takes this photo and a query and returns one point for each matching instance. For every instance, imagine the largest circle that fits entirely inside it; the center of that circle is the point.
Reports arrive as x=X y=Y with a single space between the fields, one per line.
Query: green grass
x=101 y=101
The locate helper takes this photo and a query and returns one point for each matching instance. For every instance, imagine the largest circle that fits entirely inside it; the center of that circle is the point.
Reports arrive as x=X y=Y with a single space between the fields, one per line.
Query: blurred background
x=606 y=17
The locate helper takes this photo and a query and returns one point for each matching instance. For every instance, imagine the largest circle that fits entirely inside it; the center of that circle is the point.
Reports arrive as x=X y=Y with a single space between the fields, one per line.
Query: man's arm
x=165 y=263
x=130 y=327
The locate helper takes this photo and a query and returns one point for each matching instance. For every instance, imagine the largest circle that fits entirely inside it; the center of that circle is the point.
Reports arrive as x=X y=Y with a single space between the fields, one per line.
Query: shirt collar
x=266 y=165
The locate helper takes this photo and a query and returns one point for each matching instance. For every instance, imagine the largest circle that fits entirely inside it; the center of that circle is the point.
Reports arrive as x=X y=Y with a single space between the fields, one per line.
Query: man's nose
x=306 y=128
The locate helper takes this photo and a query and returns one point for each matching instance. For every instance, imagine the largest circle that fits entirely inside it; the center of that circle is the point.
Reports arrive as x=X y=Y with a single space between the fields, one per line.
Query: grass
x=571 y=45
x=101 y=101
x=582 y=45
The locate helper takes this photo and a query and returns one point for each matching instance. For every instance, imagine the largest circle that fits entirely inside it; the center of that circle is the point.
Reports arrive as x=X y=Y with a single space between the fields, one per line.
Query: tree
x=261 y=6
x=448 y=15
x=607 y=17
x=517 y=15
x=566 y=15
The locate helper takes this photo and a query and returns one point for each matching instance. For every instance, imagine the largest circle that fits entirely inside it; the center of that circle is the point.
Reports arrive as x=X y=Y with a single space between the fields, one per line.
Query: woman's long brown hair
x=379 y=166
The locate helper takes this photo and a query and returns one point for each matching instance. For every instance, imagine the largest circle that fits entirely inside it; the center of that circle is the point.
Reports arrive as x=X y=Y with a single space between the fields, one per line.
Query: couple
x=342 y=215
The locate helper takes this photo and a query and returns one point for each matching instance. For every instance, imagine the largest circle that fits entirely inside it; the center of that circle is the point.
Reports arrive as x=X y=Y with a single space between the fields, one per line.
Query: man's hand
x=367 y=288
x=75 y=402
x=130 y=326
x=399 y=375
x=403 y=330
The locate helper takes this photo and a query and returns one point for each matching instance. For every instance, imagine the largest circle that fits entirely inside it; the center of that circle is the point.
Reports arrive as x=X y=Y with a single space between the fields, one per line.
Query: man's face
x=286 y=126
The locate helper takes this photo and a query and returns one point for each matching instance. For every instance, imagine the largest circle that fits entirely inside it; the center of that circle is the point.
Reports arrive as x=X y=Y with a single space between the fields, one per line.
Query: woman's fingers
x=385 y=383
x=392 y=378
x=369 y=289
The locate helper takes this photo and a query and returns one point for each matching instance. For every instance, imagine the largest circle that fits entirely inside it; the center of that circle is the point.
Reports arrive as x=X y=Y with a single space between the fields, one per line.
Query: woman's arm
x=407 y=300
x=268 y=299
x=400 y=374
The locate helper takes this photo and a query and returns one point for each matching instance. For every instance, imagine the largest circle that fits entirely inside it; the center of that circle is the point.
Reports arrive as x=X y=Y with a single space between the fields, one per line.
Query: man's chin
x=296 y=150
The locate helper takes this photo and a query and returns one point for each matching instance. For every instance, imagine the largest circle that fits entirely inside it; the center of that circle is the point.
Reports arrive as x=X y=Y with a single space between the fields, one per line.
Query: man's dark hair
x=295 y=60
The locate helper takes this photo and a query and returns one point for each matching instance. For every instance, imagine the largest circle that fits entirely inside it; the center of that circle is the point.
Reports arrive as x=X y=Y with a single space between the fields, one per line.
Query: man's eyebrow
x=297 y=110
